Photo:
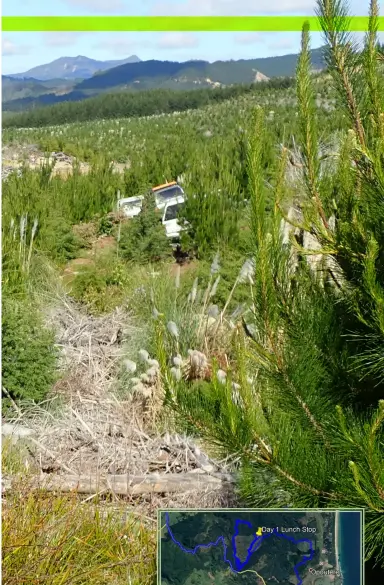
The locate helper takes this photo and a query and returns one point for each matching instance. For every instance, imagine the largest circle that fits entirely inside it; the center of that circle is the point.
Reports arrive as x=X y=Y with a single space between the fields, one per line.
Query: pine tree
x=308 y=427
x=143 y=239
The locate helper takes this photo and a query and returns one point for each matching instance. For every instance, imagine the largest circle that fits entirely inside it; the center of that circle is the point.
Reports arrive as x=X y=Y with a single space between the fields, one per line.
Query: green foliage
x=29 y=353
x=143 y=238
x=306 y=424
x=100 y=287
x=58 y=240
x=105 y=225
x=130 y=104
x=127 y=104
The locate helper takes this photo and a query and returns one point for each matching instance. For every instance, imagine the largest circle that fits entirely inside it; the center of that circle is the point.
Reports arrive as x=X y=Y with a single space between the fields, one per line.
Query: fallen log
x=125 y=484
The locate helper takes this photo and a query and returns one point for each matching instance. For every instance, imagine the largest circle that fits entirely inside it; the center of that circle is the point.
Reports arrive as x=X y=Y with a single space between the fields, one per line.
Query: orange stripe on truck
x=165 y=185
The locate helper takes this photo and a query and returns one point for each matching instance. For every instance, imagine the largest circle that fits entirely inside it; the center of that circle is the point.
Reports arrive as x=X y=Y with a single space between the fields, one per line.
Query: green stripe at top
x=173 y=23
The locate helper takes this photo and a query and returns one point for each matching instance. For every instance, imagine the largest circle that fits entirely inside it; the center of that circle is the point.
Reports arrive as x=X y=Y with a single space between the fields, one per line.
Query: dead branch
x=126 y=485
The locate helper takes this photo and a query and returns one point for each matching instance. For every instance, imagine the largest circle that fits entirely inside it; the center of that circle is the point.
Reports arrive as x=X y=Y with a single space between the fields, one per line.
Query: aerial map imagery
x=260 y=547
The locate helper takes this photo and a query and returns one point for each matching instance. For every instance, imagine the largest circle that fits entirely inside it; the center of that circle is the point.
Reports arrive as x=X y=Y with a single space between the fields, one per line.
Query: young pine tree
x=143 y=239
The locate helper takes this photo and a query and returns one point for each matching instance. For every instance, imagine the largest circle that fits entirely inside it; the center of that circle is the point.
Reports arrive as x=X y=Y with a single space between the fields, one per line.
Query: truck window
x=133 y=203
x=172 y=211
x=169 y=193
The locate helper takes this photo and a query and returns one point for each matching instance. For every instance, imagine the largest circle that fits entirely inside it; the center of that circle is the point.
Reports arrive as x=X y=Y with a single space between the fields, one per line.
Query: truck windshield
x=170 y=193
x=172 y=211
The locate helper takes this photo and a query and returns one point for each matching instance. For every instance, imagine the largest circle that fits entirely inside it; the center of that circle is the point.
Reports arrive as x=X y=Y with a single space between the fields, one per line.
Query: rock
x=16 y=432
x=8 y=429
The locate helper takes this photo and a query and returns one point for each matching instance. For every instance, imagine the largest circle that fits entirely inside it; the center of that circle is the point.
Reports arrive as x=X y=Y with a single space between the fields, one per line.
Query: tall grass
x=56 y=539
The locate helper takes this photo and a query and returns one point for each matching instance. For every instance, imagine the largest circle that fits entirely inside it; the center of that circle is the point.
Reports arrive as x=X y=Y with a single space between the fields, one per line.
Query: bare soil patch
x=14 y=156
x=105 y=243
x=74 y=266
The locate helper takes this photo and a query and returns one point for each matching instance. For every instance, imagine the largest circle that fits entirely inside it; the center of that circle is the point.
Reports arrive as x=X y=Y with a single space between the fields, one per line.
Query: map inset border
x=162 y=516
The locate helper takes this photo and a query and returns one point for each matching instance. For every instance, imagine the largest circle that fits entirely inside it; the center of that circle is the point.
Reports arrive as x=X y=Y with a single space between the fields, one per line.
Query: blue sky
x=22 y=51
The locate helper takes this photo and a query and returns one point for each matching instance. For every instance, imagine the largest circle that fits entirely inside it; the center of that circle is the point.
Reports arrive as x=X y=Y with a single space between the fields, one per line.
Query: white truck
x=169 y=199
x=131 y=206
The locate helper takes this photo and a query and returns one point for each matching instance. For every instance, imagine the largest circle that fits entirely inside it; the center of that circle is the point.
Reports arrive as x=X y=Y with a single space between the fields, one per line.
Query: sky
x=22 y=51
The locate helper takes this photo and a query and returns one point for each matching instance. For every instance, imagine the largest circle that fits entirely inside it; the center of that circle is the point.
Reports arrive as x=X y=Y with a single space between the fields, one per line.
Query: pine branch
x=341 y=57
x=307 y=111
x=303 y=486
x=255 y=173
x=375 y=84
x=372 y=454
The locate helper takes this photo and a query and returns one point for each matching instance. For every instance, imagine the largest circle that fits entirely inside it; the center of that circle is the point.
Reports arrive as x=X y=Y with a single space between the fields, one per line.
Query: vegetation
x=121 y=104
x=18 y=89
x=270 y=344
x=151 y=73
x=316 y=347
x=143 y=239
x=29 y=364
x=67 y=541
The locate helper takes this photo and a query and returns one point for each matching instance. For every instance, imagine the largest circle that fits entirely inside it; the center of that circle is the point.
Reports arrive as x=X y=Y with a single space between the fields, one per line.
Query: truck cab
x=166 y=193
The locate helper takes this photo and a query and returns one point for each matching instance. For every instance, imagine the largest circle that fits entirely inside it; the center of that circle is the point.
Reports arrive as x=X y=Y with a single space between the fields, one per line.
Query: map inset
x=260 y=547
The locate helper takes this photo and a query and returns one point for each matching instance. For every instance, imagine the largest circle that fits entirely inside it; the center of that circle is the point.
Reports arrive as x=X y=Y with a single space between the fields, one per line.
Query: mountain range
x=78 y=78
x=72 y=68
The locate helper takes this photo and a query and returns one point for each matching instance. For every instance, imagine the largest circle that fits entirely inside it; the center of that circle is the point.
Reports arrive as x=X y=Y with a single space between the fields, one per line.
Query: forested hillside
x=140 y=103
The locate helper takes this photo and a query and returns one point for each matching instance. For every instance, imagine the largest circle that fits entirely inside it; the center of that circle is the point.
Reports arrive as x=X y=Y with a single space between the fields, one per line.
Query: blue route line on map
x=255 y=543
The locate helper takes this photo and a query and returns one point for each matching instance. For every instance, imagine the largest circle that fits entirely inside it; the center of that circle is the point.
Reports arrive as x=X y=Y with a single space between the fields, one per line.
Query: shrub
x=29 y=353
x=105 y=225
x=100 y=287
x=59 y=241
x=85 y=233
x=143 y=239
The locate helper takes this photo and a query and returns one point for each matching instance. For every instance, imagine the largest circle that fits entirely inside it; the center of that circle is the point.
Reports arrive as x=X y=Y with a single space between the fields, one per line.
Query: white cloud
x=121 y=46
x=232 y=7
x=273 y=41
x=125 y=45
x=102 y=6
x=178 y=41
x=283 y=44
x=60 y=39
x=248 y=38
x=9 y=49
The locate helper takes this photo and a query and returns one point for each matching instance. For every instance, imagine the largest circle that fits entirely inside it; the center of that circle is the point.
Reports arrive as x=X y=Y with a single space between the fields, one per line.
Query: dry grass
x=96 y=429
x=86 y=428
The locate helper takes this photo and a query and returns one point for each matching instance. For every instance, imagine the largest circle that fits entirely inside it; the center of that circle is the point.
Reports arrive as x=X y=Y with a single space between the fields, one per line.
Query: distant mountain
x=144 y=75
x=30 y=88
x=149 y=74
x=72 y=68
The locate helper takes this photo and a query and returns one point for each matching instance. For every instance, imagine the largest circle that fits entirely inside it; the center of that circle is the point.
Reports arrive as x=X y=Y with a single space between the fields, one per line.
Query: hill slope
x=72 y=68
x=129 y=104
x=29 y=88
x=155 y=73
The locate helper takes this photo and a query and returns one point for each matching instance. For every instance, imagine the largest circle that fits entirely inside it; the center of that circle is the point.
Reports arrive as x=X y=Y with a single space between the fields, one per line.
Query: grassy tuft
x=55 y=539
